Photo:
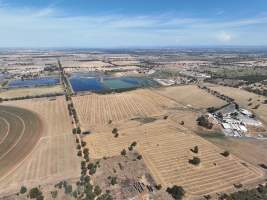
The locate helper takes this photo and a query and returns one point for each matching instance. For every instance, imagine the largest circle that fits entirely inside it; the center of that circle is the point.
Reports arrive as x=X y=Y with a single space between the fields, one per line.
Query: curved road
x=20 y=130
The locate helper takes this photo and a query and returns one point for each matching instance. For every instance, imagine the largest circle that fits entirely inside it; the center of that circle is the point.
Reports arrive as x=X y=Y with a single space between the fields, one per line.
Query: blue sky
x=132 y=23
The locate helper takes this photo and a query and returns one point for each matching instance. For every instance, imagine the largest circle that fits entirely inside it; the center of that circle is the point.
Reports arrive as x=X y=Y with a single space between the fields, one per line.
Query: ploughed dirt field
x=166 y=149
x=20 y=130
x=54 y=157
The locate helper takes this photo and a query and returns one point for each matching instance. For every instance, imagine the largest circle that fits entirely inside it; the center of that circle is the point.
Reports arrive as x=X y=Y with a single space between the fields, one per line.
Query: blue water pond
x=81 y=83
x=44 y=81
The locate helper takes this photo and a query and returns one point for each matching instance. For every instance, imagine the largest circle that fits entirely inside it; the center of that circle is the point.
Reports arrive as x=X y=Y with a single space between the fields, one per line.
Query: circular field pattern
x=20 y=130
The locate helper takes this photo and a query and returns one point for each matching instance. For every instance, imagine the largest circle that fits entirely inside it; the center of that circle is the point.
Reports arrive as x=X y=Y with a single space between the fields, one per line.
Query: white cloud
x=52 y=27
x=224 y=37
x=46 y=12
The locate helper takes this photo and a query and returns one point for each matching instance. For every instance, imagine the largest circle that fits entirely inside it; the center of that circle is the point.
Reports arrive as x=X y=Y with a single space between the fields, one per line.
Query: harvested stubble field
x=192 y=96
x=54 y=157
x=165 y=148
x=96 y=110
x=20 y=130
x=23 y=92
x=242 y=97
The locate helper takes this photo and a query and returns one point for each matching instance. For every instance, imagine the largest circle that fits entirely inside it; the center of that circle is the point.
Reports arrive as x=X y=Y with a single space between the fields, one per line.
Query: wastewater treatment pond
x=96 y=83
x=43 y=81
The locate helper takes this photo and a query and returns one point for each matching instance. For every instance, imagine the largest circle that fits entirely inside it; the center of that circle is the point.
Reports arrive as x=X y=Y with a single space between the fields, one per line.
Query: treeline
x=258 y=193
x=32 y=96
x=258 y=91
x=217 y=94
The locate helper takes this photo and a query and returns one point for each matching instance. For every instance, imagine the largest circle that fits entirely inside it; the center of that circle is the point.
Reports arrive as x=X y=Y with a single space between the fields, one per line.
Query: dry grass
x=165 y=148
x=191 y=95
x=54 y=158
x=22 y=92
x=94 y=110
x=250 y=150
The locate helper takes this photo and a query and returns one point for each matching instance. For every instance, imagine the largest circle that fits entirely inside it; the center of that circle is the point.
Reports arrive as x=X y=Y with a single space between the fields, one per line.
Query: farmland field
x=20 y=130
x=85 y=64
x=94 y=110
x=191 y=95
x=126 y=62
x=54 y=157
x=165 y=147
x=23 y=92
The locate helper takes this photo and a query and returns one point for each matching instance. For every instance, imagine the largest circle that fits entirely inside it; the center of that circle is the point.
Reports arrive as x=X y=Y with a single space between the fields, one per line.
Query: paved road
x=20 y=130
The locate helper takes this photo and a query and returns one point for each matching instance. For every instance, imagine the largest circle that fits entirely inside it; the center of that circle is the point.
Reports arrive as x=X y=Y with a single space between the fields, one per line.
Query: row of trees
x=217 y=94
x=32 y=96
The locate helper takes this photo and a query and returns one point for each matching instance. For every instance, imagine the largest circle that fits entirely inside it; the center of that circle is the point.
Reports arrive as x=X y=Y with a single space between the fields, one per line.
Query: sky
x=132 y=23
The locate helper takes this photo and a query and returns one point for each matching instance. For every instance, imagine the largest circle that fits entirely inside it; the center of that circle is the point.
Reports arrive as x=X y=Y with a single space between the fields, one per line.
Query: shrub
x=177 y=192
x=134 y=144
x=86 y=151
x=34 y=193
x=74 y=130
x=23 y=190
x=68 y=189
x=54 y=194
x=256 y=107
x=79 y=153
x=87 y=179
x=92 y=170
x=115 y=130
x=194 y=161
x=158 y=187
x=195 y=149
x=97 y=190
x=78 y=130
x=113 y=180
x=123 y=152
x=203 y=121
x=225 y=153
x=139 y=157
x=90 y=165
x=83 y=143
